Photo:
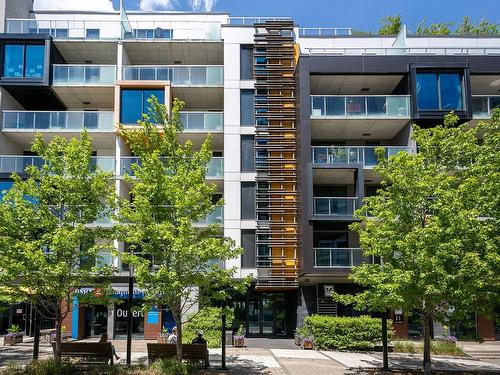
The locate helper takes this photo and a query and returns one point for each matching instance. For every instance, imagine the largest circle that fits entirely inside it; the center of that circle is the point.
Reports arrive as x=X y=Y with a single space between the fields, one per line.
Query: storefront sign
x=153 y=316
x=328 y=290
x=117 y=291
x=398 y=317
x=122 y=313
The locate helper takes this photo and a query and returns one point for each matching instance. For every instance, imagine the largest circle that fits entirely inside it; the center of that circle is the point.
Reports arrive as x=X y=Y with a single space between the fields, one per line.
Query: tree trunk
x=426 y=322
x=179 y=340
x=57 y=352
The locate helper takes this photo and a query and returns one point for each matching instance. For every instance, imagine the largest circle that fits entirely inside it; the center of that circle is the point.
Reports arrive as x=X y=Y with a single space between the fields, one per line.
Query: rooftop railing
x=355 y=106
x=335 y=206
x=432 y=51
x=215 y=166
x=248 y=21
x=325 y=257
x=364 y=155
x=116 y=30
x=84 y=75
x=202 y=121
x=178 y=75
x=18 y=164
x=57 y=121
x=324 y=32
x=483 y=106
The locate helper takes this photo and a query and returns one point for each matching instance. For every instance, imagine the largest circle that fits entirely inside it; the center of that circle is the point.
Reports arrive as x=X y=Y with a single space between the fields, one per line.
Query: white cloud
x=156 y=4
x=95 y=5
x=206 y=5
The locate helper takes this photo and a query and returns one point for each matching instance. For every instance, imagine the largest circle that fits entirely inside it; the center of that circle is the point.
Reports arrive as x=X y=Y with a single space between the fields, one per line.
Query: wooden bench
x=190 y=352
x=90 y=353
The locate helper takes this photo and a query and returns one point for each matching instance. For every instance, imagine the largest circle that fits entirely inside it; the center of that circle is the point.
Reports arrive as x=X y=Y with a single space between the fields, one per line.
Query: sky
x=359 y=14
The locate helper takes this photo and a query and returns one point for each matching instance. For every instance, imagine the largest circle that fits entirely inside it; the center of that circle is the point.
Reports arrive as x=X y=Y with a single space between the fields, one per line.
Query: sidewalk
x=287 y=359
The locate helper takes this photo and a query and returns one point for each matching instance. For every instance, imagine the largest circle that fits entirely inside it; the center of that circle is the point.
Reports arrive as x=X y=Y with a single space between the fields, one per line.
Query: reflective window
x=93 y=33
x=247 y=107
x=135 y=102
x=248 y=201
x=4 y=187
x=246 y=62
x=247 y=153
x=13 y=60
x=24 y=61
x=440 y=91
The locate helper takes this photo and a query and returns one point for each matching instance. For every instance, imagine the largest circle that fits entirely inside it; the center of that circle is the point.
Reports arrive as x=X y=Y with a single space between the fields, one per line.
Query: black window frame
x=24 y=44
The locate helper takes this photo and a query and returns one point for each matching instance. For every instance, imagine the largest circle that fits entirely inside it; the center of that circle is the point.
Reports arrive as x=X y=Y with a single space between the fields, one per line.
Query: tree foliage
x=175 y=258
x=47 y=248
x=443 y=28
x=435 y=226
x=390 y=25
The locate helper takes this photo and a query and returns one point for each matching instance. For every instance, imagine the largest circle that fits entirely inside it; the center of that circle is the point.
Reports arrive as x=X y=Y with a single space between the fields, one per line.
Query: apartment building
x=295 y=115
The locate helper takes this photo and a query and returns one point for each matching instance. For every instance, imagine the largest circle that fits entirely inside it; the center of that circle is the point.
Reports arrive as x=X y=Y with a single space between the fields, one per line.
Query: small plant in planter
x=239 y=338
x=307 y=343
x=14 y=335
x=162 y=336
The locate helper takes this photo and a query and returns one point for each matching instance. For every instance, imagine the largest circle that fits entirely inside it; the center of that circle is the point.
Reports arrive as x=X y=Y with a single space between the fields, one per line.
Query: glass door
x=254 y=317
x=266 y=315
x=266 y=318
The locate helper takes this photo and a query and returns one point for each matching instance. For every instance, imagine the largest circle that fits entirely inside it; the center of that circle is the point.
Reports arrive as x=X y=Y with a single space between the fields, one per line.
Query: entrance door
x=96 y=320
x=266 y=315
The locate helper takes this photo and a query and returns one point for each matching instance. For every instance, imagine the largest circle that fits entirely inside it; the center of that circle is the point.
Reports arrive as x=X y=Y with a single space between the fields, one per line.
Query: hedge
x=208 y=319
x=331 y=332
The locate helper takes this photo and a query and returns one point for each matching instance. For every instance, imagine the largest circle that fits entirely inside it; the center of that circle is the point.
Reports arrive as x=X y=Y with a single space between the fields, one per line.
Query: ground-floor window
x=121 y=313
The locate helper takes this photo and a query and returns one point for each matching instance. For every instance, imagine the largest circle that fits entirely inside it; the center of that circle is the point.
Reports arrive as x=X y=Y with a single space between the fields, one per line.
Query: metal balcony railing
x=430 y=51
x=325 y=257
x=202 y=121
x=483 y=106
x=18 y=164
x=249 y=21
x=202 y=75
x=324 y=32
x=116 y=30
x=365 y=155
x=56 y=121
x=215 y=166
x=335 y=206
x=216 y=217
x=372 y=107
x=84 y=75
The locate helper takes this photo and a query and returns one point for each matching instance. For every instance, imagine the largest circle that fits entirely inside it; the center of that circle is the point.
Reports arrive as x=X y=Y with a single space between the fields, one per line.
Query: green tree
x=390 y=25
x=483 y=27
x=174 y=258
x=435 y=226
x=443 y=28
x=47 y=247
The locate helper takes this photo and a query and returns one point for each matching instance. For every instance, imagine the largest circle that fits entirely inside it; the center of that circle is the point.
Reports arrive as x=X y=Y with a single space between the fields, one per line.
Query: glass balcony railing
x=18 y=164
x=178 y=75
x=365 y=155
x=84 y=75
x=323 y=32
x=339 y=257
x=335 y=206
x=350 y=107
x=115 y=29
x=216 y=217
x=483 y=106
x=53 y=121
x=215 y=166
x=202 y=121
x=393 y=51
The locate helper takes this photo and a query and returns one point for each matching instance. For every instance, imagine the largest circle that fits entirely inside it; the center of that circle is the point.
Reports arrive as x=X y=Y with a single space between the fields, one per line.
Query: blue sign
x=153 y=316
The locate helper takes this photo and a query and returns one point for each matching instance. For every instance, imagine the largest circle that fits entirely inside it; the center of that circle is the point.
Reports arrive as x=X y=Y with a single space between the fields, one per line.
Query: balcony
x=84 y=75
x=352 y=155
x=18 y=164
x=57 y=121
x=111 y=30
x=216 y=217
x=483 y=106
x=360 y=107
x=182 y=76
x=339 y=257
x=395 y=51
x=324 y=32
x=335 y=206
x=215 y=167
x=202 y=121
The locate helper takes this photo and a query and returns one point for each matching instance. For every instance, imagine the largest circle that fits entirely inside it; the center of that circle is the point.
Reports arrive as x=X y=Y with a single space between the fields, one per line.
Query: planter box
x=306 y=344
x=13 y=339
x=239 y=341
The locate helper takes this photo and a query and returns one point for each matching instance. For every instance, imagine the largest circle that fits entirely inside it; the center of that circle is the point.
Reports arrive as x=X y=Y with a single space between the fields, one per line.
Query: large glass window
x=246 y=66
x=247 y=153
x=13 y=60
x=248 y=244
x=247 y=107
x=24 y=60
x=134 y=103
x=248 y=201
x=439 y=91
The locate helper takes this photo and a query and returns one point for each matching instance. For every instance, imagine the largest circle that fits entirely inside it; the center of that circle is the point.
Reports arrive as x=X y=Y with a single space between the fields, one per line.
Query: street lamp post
x=129 y=314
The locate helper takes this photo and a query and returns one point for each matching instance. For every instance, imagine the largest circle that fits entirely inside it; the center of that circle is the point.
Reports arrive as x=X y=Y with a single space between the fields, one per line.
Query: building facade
x=295 y=115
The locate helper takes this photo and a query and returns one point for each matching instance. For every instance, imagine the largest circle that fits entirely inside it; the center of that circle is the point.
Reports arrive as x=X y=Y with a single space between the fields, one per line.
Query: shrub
x=438 y=347
x=405 y=347
x=171 y=367
x=208 y=320
x=41 y=367
x=331 y=332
